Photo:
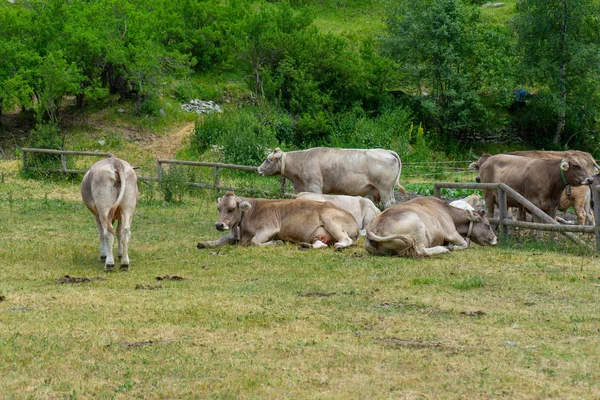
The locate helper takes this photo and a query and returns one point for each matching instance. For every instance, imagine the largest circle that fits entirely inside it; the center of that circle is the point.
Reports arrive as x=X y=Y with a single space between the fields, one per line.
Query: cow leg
x=103 y=247
x=123 y=236
x=456 y=241
x=431 y=251
x=262 y=237
x=222 y=241
x=109 y=239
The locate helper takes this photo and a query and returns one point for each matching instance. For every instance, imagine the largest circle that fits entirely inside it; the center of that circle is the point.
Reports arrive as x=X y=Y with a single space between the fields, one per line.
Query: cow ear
x=481 y=212
x=277 y=153
x=472 y=216
x=564 y=165
x=245 y=206
x=219 y=199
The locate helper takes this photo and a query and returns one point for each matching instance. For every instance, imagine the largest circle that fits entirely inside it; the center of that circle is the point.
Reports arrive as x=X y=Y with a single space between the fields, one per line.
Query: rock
x=201 y=107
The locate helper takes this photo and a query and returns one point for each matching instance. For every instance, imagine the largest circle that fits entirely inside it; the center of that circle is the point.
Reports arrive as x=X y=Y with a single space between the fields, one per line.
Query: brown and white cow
x=109 y=190
x=421 y=227
x=577 y=197
x=261 y=222
x=354 y=172
x=541 y=181
x=362 y=209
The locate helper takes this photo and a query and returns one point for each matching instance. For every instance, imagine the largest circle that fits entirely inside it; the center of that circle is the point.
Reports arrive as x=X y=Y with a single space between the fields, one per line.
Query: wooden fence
x=550 y=224
x=503 y=190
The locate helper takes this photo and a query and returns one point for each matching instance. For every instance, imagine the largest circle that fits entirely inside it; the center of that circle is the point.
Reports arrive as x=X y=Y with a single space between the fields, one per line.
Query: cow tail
x=121 y=176
x=377 y=238
x=400 y=187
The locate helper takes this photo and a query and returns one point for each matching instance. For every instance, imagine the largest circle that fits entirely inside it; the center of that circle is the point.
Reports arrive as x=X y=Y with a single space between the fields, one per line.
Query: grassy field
x=504 y=322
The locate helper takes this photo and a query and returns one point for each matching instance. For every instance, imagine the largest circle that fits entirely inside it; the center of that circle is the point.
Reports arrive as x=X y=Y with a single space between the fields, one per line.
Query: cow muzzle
x=588 y=181
x=260 y=172
x=221 y=226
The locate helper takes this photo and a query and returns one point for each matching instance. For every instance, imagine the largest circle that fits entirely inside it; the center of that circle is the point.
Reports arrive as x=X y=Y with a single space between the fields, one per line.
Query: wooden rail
x=550 y=224
x=216 y=168
x=63 y=159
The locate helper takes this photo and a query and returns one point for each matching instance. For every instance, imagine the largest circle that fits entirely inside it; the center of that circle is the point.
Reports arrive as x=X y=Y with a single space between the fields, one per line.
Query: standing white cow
x=354 y=172
x=109 y=190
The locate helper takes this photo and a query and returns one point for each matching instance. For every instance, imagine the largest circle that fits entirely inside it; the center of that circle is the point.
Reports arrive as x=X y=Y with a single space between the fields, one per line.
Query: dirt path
x=166 y=146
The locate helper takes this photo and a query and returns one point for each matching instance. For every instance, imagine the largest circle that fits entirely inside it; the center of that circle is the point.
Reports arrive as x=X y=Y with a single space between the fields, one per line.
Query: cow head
x=273 y=164
x=231 y=210
x=481 y=231
x=577 y=170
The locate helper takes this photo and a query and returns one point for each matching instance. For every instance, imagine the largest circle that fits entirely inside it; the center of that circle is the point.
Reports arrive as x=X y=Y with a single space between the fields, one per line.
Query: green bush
x=244 y=138
x=173 y=183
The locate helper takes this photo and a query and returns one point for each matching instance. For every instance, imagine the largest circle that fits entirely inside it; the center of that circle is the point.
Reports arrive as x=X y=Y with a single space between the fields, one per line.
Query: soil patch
x=146 y=343
x=2 y=298
x=147 y=287
x=69 y=279
x=473 y=313
x=316 y=294
x=170 y=278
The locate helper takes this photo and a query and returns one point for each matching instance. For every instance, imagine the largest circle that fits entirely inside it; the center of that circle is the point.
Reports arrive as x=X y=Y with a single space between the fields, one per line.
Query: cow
x=363 y=210
x=261 y=222
x=422 y=226
x=541 y=181
x=472 y=202
x=577 y=197
x=109 y=190
x=354 y=172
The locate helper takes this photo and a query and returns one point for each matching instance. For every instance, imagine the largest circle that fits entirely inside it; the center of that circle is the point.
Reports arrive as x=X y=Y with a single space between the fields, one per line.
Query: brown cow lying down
x=353 y=172
x=421 y=227
x=362 y=209
x=109 y=190
x=261 y=222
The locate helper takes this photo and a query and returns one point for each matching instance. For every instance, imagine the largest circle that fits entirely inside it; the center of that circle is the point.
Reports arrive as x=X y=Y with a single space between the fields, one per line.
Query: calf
x=109 y=190
x=260 y=222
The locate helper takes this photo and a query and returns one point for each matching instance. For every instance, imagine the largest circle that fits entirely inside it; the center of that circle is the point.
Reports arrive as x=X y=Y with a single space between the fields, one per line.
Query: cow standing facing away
x=422 y=226
x=109 y=190
x=260 y=222
x=354 y=172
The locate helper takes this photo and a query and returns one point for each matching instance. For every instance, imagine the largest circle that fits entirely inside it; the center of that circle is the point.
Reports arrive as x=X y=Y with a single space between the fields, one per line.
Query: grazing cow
x=422 y=226
x=472 y=202
x=541 y=181
x=261 y=222
x=577 y=197
x=363 y=210
x=109 y=190
x=372 y=173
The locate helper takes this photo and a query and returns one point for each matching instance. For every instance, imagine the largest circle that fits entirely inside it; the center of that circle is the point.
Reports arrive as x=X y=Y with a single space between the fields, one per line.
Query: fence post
x=596 y=200
x=23 y=167
x=63 y=164
x=217 y=180
x=502 y=211
x=159 y=171
x=282 y=186
x=437 y=192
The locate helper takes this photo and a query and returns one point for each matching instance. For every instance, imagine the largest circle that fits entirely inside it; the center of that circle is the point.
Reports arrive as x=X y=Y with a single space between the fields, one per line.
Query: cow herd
x=330 y=210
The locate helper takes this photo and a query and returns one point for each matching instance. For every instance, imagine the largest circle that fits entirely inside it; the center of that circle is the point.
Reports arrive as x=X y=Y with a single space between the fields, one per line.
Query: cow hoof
x=102 y=258
x=201 y=245
x=109 y=267
x=124 y=267
x=279 y=243
x=304 y=246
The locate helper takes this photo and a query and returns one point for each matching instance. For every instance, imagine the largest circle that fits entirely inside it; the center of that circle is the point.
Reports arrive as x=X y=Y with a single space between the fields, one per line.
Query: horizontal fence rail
x=550 y=224
x=63 y=159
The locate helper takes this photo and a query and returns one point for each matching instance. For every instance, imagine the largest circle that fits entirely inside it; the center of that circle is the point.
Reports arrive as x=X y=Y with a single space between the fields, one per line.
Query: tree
x=434 y=44
x=559 y=48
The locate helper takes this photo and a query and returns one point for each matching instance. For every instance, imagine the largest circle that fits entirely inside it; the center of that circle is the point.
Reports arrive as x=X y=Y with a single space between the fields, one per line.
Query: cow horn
x=564 y=165
x=472 y=216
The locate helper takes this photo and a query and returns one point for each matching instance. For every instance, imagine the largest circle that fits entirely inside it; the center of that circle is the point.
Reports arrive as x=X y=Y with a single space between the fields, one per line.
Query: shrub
x=173 y=183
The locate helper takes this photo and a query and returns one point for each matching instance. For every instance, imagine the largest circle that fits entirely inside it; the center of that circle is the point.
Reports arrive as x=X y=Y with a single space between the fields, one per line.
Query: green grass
x=278 y=322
